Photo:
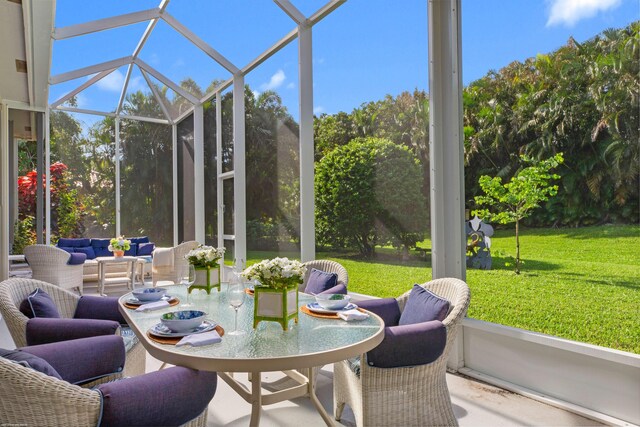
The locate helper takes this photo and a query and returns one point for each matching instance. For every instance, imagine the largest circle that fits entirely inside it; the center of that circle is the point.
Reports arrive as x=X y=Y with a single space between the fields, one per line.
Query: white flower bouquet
x=119 y=244
x=277 y=273
x=204 y=256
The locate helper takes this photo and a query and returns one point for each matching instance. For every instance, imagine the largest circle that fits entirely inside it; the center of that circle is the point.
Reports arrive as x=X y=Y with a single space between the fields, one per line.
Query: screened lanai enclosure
x=219 y=158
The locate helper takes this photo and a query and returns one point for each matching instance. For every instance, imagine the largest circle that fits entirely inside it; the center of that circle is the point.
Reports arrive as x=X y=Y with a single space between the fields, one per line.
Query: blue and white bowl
x=149 y=294
x=183 y=321
x=332 y=301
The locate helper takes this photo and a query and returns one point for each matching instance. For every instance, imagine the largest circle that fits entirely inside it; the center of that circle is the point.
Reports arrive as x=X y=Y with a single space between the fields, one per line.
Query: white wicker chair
x=49 y=264
x=326 y=266
x=14 y=291
x=171 y=273
x=31 y=398
x=405 y=396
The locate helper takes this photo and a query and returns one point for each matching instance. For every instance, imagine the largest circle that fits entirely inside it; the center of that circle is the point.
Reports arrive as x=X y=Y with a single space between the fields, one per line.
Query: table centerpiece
x=205 y=259
x=118 y=245
x=276 y=294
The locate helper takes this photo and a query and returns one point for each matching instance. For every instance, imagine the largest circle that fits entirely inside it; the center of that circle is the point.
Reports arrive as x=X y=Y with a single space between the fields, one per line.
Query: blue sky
x=363 y=51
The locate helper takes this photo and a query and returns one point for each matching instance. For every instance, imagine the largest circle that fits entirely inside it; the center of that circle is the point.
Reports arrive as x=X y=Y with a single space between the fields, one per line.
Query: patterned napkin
x=157 y=305
x=353 y=314
x=196 y=340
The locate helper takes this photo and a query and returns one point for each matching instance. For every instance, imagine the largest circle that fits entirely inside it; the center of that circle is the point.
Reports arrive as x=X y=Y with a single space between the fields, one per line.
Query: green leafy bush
x=23 y=234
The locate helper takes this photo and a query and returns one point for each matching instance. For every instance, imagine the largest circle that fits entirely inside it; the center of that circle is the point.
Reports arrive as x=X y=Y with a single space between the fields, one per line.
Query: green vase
x=275 y=305
x=206 y=279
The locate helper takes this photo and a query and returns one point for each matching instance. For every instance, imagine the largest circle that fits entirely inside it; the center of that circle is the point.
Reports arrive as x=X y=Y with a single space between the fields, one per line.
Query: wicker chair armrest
x=47 y=330
x=338 y=289
x=184 y=393
x=409 y=345
x=83 y=360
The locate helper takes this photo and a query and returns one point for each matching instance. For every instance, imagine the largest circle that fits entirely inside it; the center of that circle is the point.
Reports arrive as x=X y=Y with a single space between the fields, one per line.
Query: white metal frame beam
x=4 y=191
x=198 y=173
x=104 y=24
x=293 y=12
x=239 y=169
x=92 y=69
x=101 y=75
x=155 y=92
x=167 y=81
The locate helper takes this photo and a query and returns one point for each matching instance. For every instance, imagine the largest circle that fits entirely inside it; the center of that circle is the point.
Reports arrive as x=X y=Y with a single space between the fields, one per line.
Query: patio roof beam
x=293 y=12
x=144 y=119
x=82 y=87
x=167 y=81
x=201 y=44
x=104 y=24
x=152 y=24
x=325 y=10
x=155 y=92
x=102 y=113
x=125 y=85
x=92 y=69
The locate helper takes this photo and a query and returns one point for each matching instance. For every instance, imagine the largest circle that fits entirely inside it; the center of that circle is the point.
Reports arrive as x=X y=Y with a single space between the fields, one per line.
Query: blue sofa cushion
x=138 y=240
x=319 y=281
x=67 y=248
x=30 y=361
x=133 y=250
x=146 y=249
x=39 y=304
x=423 y=306
x=74 y=243
x=88 y=251
x=100 y=243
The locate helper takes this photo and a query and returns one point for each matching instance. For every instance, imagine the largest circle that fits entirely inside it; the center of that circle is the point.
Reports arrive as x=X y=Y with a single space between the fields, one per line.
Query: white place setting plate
x=315 y=307
x=162 y=331
x=136 y=301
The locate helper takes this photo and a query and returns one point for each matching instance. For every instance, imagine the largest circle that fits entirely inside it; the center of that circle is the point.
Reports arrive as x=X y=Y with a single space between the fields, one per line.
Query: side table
x=128 y=276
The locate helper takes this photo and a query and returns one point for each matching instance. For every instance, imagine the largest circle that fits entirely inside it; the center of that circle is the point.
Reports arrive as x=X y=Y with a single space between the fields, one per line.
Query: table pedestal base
x=305 y=387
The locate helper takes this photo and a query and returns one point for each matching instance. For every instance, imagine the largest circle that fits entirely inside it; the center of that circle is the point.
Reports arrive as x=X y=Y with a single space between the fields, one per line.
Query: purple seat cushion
x=423 y=306
x=387 y=308
x=39 y=304
x=338 y=289
x=74 y=242
x=82 y=360
x=409 y=345
x=179 y=394
x=43 y=331
x=87 y=250
x=77 y=258
x=105 y=308
x=319 y=281
x=146 y=249
x=30 y=361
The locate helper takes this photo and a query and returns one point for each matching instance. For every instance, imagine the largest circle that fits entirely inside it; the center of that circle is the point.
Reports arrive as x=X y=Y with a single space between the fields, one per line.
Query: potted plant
x=204 y=259
x=276 y=294
x=118 y=245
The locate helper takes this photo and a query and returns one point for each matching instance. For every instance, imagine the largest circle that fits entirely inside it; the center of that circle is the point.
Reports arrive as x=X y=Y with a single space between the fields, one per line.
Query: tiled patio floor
x=475 y=403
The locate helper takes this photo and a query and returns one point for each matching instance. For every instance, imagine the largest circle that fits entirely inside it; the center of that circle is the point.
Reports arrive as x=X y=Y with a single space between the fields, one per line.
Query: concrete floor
x=475 y=403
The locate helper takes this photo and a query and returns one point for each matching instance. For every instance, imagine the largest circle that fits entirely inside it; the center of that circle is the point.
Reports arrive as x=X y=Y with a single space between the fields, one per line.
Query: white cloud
x=275 y=82
x=291 y=85
x=318 y=109
x=113 y=82
x=569 y=12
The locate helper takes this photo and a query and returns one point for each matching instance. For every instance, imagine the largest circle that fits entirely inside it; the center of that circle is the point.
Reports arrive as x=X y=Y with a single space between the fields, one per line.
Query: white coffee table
x=127 y=277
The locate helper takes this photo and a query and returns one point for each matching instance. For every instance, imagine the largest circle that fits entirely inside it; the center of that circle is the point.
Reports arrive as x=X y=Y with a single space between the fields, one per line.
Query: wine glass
x=236 y=295
x=188 y=278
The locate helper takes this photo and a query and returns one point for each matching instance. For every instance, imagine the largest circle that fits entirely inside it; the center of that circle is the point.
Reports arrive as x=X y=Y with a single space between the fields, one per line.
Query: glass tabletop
x=317 y=339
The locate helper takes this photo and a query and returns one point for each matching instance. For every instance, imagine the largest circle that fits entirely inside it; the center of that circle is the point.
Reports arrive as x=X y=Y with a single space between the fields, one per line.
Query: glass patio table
x=309 y=343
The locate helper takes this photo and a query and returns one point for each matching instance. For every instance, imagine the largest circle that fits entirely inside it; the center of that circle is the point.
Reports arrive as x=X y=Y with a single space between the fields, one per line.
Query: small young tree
x=516 y=199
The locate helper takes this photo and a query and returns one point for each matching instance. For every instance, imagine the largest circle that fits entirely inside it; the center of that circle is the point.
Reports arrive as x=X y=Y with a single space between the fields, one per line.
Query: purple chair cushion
x=30 y=361
x=409 y=345
x=320 y=281
x=423 y=306
x=177 y=395
x=77 y=258
x=83 y=360
x=338 y=289
x=146 y=249
x=43 y=331
x=88 y=251
x=105 y=308
x=39 y=304
x=74 y=242
x=387 y=308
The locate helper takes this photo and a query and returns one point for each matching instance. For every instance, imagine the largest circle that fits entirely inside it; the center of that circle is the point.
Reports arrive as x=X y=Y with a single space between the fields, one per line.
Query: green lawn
x=582 y=284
